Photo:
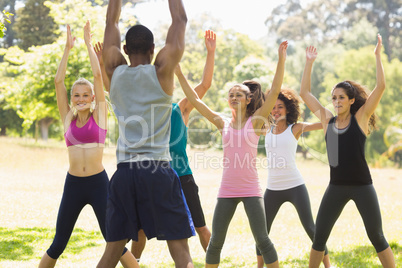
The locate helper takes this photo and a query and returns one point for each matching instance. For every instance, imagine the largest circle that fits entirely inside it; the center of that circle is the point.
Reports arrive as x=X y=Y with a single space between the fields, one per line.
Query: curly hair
x=358 y=92
x=292 y=104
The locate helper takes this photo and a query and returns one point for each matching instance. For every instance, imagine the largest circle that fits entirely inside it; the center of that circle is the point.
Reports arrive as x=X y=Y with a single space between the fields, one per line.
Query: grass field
x=32 y=178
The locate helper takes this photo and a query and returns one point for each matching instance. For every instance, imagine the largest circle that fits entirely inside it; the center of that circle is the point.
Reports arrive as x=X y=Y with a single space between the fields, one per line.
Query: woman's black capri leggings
x=332 y=204
x=78 y=192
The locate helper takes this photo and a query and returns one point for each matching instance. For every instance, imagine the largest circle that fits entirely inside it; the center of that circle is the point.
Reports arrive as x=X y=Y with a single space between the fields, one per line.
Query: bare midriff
x=85 y=159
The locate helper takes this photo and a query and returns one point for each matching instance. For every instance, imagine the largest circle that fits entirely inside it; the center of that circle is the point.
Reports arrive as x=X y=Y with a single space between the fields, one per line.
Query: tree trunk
x=3 y=131
x=44 y=127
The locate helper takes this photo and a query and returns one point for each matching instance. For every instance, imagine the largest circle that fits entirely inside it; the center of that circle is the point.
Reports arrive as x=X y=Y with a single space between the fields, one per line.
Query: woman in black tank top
x=345 y=136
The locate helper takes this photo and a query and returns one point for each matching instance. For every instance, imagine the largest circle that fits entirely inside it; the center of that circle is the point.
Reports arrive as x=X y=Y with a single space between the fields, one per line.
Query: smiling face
x=82 y=97
x=238 y=97
x=279 y=111
x=341 y=101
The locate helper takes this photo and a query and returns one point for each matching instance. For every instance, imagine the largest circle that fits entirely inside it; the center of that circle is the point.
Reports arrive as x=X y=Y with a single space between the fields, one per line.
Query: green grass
x=20 y=243
x=352 y=257
x=32 y=179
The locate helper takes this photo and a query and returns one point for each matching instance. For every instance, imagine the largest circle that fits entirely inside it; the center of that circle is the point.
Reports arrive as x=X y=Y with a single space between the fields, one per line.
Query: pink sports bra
x=89 y=133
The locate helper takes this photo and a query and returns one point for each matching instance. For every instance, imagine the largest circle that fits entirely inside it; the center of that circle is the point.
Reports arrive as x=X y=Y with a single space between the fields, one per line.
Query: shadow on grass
x=354 y=257
x=19 y=243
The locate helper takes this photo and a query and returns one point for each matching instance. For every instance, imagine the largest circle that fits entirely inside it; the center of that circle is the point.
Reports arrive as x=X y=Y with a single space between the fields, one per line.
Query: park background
x=34 y=159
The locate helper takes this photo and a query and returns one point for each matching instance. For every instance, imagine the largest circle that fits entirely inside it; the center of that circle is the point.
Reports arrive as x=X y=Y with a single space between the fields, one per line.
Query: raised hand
x=87 y=33
x=70 y=39
x=282 y=50
x=378 y=47
x=210 y=40
x=311 y=54
x=177 y=70
x=98 y=51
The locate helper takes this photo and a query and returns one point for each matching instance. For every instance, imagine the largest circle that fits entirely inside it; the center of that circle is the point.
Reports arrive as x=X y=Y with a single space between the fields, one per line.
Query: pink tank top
x=240 y=177
x=89 y=133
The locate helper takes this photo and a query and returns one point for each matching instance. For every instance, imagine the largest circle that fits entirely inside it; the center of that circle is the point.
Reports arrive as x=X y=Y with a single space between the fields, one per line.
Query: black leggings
x=299 y=198
x=332 y=204
x=78 y=192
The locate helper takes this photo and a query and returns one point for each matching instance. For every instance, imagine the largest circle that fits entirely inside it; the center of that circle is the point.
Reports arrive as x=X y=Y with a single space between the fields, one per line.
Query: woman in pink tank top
x=240 y=136
x=85 y=132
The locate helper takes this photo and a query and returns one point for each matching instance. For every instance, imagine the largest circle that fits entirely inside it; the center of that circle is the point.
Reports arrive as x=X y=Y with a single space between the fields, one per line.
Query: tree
x=386 y=15
x=5 y=17
x=2 y=27
x=9 y=119
x=360 y=35
x=34 y=26
x=9 y=7
x=326 y=22
x=319 y=21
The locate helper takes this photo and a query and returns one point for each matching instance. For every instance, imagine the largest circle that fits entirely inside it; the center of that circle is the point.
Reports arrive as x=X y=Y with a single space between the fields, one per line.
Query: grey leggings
x=298 y=197
x=224 y=211
x=332 y=204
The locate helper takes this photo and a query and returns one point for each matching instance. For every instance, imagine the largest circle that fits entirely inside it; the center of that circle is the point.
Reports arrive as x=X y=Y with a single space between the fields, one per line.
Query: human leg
x=300 y=199
x=223 y=214
x=137 y=247
x=332 y=204
x=128 y=260
x=97 y=198
x=72 y=202
x=254 y=207
x=366 y=201
x=47 y=261
x=190 y=190
x=112 y=254
x=387 y=258
x=180 y=253
x=316 y=257
x=273 y=200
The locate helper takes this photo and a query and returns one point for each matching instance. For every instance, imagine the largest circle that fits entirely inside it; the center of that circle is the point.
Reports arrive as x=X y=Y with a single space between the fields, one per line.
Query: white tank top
x=281 y=159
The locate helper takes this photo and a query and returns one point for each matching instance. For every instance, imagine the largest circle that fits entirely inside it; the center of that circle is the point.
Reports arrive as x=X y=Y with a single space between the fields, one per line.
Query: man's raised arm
x=112 y=56
x=170 y=55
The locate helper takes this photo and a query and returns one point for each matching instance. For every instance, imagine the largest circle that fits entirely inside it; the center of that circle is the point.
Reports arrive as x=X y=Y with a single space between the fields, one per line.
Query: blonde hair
x=82 y=82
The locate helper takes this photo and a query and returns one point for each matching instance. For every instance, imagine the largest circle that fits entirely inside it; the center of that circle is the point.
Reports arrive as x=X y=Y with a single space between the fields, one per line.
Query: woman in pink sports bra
x=240 y=182
x=85 y=133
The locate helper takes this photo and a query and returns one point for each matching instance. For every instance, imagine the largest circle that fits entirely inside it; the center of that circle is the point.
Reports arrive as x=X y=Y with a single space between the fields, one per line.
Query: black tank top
x=346 y=156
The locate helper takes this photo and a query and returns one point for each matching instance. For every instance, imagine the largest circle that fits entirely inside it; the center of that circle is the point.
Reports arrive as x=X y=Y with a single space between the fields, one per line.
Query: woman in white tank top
x=285 y=182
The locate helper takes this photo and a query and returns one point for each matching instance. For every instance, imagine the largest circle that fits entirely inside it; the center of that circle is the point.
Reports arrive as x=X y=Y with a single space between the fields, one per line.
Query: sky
x=244 y=16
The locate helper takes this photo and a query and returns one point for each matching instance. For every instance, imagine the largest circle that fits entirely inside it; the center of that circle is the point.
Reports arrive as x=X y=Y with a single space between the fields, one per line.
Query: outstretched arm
x=98 y=50
x=364 y=113
x=305 y=90
x=169 y=56
x=100 y=111
x=299 y=128
x=112 y=56
x=260 y=116
x=210 y=43
x=61 y=91
x=196 y=101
